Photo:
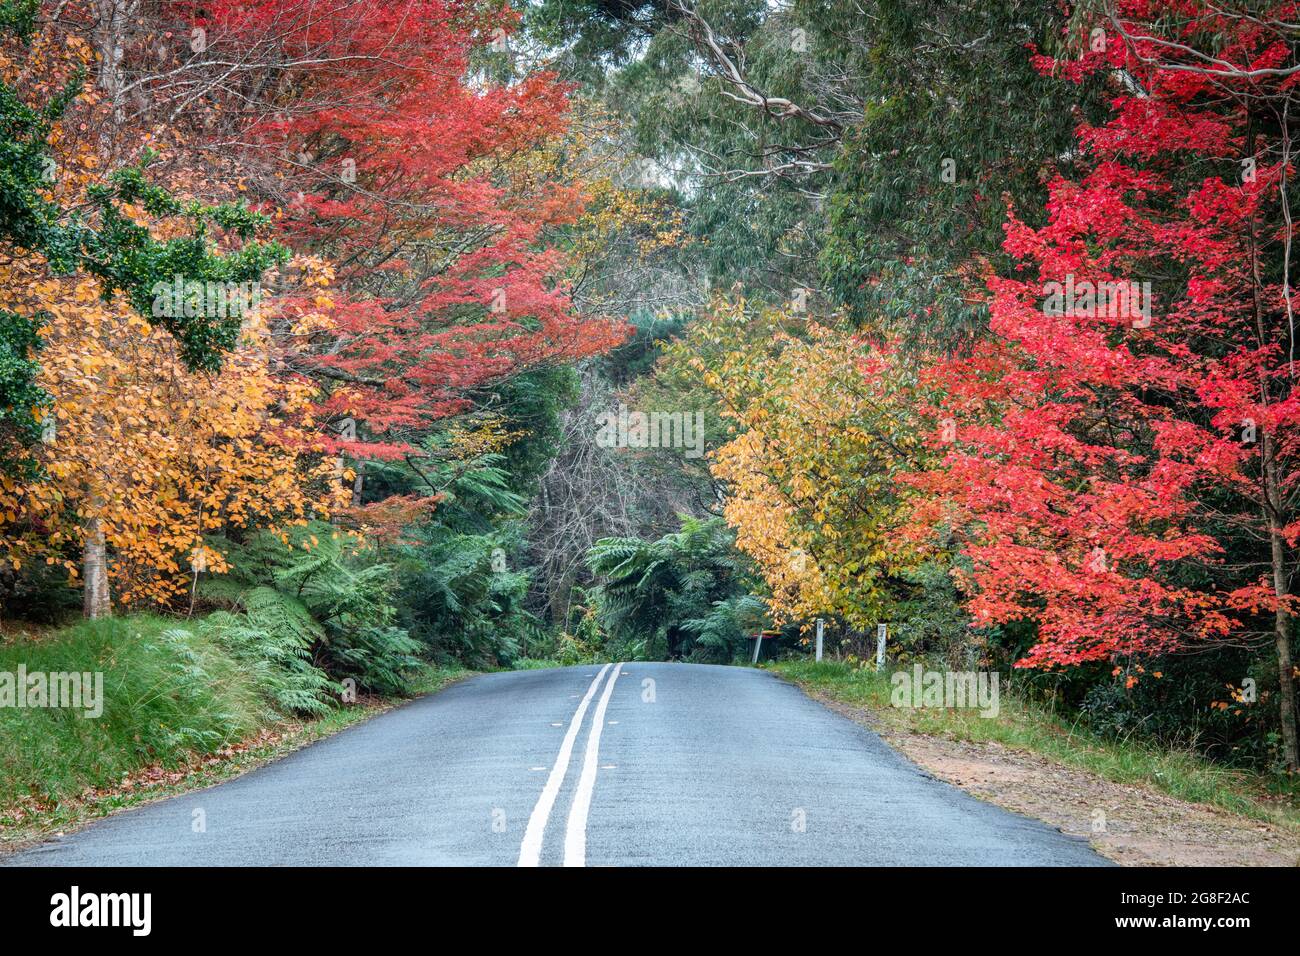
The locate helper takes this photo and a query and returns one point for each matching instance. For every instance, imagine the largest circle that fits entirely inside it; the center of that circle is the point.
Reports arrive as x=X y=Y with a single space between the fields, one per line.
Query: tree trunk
x=1282 y=619
x=113 y=19
x=560 y=600
x=1285 y=665
x=94 y=569
x=359 y=484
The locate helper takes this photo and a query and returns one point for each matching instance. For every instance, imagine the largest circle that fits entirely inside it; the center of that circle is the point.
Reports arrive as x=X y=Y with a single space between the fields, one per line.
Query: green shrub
x=323 y=589
x=273 y=636
x=461 y=599
x=682 y=597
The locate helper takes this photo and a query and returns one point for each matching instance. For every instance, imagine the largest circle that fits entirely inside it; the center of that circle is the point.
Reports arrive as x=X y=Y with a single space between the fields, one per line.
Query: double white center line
x=575 y=837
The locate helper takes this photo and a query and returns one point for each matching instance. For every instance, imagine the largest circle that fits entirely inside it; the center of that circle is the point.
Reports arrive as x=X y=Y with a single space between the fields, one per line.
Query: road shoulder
x=29 y=825
x=1129 y=824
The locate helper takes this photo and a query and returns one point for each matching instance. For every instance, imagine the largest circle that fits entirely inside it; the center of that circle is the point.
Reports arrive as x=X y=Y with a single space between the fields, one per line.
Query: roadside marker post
x=758 y=642
x=882 y=633
x=820 y=626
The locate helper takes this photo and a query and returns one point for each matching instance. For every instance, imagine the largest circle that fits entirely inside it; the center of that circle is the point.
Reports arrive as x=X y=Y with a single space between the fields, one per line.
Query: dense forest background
x=504 y=250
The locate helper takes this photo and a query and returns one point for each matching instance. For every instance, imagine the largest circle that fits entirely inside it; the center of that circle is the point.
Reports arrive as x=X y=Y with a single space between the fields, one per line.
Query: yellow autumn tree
x=141 y=460
x=824 y=427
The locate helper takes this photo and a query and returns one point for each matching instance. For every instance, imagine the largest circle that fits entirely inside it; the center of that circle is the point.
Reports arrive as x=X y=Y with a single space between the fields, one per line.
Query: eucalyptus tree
x=857 y=152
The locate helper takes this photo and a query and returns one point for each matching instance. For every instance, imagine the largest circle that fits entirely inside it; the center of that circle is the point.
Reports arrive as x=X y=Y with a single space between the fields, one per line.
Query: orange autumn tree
x=141 y=459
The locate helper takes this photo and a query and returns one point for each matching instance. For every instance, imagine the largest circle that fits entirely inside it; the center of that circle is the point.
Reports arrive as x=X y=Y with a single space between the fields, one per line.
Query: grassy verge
x=178 y=714
x=544 y=663
x=1022 y=724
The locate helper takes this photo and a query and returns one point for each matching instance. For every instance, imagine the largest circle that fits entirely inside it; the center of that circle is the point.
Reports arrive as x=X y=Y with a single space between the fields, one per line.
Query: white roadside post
x=882 y=632
x=820 y=625
x=758 y=642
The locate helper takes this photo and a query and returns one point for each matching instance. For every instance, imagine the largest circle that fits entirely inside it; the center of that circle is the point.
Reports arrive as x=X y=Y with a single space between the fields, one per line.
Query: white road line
x=575 y=836
x=530 y=851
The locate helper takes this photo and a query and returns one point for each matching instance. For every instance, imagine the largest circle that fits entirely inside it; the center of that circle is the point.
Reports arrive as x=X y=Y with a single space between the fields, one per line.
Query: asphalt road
x=632 y=764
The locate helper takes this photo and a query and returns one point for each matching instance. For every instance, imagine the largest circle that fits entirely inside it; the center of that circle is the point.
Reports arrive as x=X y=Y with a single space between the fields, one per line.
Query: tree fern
x=320 y=593
x=460 y=602
x=683 y=595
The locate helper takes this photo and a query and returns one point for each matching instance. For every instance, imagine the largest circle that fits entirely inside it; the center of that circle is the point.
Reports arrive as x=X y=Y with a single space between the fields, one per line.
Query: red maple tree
x=1133 y=418
x=389 y=149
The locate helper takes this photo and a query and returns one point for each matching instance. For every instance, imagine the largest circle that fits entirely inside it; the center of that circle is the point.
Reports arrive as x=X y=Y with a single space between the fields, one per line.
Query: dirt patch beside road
x=1132 y=825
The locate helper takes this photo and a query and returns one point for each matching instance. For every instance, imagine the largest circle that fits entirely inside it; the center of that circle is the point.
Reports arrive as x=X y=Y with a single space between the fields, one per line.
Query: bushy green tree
x=957 y=123
x=684 y=596
x=460 y=588
x=461 y=599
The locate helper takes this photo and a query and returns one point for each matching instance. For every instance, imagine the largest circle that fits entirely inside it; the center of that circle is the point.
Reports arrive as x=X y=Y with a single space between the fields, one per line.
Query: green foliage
x=959 y=123
x=168 y=693
x=38 y=592
x=683 y=596
x=273 y=636
x=473 y=493
x=556 y=647
x=459 y=590
x=931 y=620
x=126 y=258
x=27 y=218
x=559 y=650
x=857 y=205
x=19 y=17
x=531 y=403
x=730 y=624
x=639 y=58
x=460 y=598
x=596 y=33
x=333 y=596
x=634 y=358
x=19 y=394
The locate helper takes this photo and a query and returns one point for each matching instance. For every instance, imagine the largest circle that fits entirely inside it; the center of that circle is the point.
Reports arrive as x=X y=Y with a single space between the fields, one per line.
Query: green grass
x=171 y=700
x=433 y=678
x=531 y=664
x=538 y=663
x=166 y=696
x=1025 y=725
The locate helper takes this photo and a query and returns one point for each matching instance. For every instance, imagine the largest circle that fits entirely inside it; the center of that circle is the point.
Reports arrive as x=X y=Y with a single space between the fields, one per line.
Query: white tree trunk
x=97 y=602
